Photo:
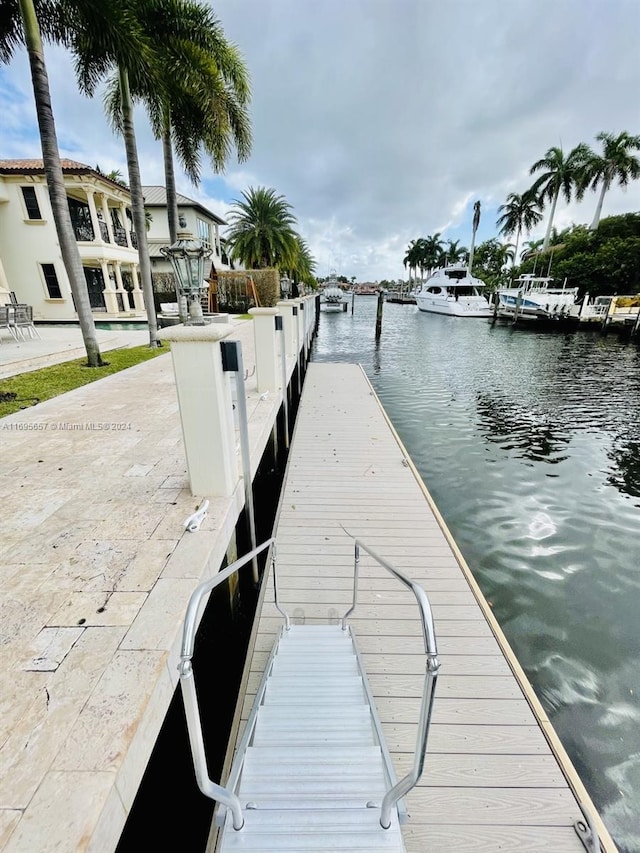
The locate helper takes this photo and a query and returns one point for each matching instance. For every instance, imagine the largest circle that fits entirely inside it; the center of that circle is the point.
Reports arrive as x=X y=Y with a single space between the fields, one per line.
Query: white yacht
x=453 y=290
x=536 y=298
x=332 y=298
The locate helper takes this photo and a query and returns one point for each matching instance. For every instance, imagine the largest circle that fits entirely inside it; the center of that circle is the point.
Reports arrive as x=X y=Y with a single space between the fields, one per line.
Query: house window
x=51 y=280
x=31 y=202
x=203 y=233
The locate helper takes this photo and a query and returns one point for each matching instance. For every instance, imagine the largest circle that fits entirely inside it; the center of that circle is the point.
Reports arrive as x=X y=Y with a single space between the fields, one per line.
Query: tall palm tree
x=519 y=213
x=24 y=22
x=102 y=36
x=560 y=175
x=616 y=163
x=204 y=99
x=261 y=232
x=433 y=251
x=412 y=258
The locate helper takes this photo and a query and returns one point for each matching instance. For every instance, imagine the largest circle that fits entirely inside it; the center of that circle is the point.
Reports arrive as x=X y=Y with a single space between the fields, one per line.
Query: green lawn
x=39 y=385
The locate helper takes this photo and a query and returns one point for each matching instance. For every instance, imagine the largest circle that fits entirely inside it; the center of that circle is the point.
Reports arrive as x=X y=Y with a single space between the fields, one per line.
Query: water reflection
x=516 y=428
x=625 y=475
x=530 y=445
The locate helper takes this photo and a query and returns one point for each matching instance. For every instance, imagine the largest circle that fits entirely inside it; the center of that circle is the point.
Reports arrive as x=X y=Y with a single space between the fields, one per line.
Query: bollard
x=379 y=314
x=206 y=409
x=264 y=331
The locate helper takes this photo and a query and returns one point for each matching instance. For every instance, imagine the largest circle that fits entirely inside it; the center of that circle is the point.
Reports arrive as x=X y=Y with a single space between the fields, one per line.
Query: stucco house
x=31 y=263
x=193 y=217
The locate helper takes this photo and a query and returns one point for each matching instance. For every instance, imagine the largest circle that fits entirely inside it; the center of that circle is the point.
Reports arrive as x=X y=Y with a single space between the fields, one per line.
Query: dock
x=496 y=776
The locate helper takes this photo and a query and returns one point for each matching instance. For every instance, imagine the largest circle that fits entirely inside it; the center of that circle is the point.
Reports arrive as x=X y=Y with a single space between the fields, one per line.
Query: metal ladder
x=312 y=771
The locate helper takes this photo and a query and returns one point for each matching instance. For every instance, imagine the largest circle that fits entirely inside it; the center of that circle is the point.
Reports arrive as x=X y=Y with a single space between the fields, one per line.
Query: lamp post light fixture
x=285 y=286
x=187 y=258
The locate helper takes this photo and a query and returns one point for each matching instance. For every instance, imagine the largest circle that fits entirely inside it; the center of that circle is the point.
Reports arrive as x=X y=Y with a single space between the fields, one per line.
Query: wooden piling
x=379 y=314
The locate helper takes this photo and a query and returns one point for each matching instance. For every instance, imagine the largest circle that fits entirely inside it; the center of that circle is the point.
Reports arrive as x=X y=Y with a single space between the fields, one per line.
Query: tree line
x=559 y=175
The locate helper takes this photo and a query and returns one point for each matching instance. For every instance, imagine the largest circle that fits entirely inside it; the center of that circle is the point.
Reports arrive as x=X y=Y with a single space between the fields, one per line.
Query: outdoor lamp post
x=285 y=286
x=187 y=258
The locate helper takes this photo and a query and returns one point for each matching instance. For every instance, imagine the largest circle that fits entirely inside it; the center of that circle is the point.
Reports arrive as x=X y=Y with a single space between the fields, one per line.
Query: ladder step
x=345 y=698
x=320 y=682
x=314 y=652
x=314 y=755
x=301 y=770
x=272 y=737
x=341 y=667
x=344 y=714
x=356 y=830
x=287 y=802
x=265 y=789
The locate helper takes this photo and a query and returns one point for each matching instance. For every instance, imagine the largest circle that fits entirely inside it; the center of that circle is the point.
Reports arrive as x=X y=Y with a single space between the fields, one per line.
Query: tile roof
x=71 y=167
x=22 y=166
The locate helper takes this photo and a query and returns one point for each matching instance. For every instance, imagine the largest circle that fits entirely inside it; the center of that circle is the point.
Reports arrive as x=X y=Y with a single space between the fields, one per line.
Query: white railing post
x=264 y=331
x=206 y=408
x=285 y=307
x=301 y=312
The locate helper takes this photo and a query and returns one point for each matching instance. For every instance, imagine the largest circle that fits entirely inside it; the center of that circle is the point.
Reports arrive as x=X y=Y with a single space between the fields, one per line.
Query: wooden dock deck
x=496 y=777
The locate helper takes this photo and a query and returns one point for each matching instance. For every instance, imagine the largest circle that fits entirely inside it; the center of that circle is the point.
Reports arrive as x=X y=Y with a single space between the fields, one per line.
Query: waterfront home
x=193 y=217
x=31 y=263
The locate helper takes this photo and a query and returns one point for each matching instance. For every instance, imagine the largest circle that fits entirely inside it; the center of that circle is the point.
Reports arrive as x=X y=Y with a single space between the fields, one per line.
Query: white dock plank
x=491 y=780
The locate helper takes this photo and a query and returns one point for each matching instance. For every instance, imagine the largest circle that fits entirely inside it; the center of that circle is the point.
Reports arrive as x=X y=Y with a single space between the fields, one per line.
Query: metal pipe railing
x=433 y=665
x=185 y=669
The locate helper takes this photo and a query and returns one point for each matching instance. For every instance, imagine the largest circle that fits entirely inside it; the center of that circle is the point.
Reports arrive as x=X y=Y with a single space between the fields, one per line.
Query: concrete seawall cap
x=183 y=334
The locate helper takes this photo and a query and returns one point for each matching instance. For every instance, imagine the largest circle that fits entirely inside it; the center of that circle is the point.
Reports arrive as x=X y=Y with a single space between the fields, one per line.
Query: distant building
x=203 y=224
x=31 y=263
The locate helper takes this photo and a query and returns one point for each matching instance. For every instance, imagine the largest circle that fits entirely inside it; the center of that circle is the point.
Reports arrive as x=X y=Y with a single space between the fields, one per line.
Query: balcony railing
x=120 y=236
x=134 y=239
x=104 y=231
x=84 y=233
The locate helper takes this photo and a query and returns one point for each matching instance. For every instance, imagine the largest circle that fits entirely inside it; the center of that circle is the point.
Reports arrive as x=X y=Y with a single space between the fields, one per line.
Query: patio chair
x=23 y=315
x=7 y=321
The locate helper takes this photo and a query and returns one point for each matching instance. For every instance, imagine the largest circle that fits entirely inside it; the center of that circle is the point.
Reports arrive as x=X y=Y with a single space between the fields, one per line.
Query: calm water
x=529 y=441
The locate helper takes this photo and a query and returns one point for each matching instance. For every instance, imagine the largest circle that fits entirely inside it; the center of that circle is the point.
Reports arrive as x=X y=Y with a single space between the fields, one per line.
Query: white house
x=193 y=217
x=31 y=263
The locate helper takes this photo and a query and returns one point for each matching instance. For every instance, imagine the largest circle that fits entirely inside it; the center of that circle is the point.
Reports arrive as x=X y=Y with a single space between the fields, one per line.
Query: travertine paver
x=95 y=574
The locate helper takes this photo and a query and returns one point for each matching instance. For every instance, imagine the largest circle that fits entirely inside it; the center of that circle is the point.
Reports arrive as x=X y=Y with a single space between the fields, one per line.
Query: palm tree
x=261 y=230
x=412 y=257
x=204 y=99
x=617 y=163
x=530 y=248
x=120 y=38
x=519 y=213
x=303 y=265
x=561 y=175
x=433 y=252
x=24 y=23
x=454 y=253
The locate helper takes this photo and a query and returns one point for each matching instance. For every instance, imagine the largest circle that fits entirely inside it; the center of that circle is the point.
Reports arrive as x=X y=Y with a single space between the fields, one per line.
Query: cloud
x=384 y=121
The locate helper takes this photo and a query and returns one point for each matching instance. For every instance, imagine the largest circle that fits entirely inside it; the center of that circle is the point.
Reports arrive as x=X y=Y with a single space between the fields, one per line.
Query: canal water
x=529 y=442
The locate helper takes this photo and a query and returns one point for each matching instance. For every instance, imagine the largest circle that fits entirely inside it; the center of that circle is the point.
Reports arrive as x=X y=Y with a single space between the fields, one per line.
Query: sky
x=381 y=121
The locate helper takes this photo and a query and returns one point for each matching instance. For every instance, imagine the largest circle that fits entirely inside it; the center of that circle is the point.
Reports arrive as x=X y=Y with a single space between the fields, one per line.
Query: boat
x=332 y=297
x=454 y=291
x=534 y=297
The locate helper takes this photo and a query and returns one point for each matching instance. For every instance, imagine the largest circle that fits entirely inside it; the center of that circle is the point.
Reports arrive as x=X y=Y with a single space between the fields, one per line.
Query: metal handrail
x=185 y=669
x=409 y=781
